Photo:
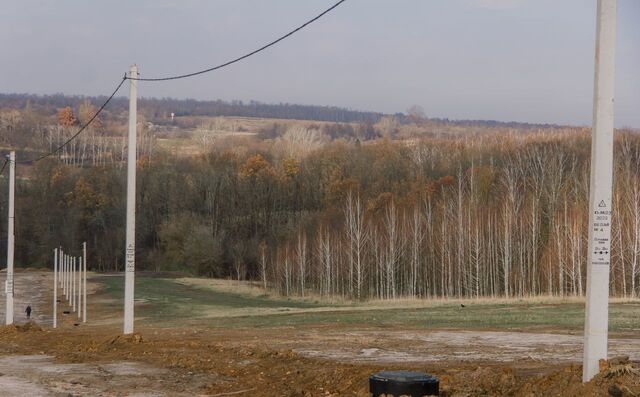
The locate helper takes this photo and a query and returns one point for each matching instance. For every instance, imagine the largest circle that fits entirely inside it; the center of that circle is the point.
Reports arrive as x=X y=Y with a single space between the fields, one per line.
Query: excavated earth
x=311 y=360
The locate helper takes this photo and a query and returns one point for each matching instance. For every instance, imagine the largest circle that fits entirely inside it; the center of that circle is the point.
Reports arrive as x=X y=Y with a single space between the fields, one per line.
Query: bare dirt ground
x=41 y=375
x=31 y=290
x=420 y=346
x=308 y=360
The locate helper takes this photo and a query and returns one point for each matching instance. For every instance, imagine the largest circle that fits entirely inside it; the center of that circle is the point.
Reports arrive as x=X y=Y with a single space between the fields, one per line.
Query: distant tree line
x=471 y=216
x=158 y=110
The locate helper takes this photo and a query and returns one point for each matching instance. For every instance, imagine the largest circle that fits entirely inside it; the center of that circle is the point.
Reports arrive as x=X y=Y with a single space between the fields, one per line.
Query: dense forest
x=409 y=212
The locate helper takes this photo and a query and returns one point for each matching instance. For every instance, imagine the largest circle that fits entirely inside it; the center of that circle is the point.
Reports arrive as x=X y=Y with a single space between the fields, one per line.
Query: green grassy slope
x=166 y=302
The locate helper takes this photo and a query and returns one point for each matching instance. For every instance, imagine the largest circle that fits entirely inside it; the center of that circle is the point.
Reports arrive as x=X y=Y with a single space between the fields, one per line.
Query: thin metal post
x=599 y=254
x=55 y=288
x=130 y=261
x=8 y=288
x=84 y=282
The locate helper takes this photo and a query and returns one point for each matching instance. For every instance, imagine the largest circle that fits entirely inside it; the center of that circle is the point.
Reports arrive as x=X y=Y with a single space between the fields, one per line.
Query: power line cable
x=291 y=33
x=84 y=126
x=6 y=161
x=274 y=42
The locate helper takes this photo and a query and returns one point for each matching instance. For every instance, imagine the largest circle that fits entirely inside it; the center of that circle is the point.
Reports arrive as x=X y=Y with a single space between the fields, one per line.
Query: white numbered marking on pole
x=131 y=257
x=602 y=234
x=8 y=286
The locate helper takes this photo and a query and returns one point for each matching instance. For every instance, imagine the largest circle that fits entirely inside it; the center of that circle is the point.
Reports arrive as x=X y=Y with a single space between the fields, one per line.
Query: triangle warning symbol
x=602 y=204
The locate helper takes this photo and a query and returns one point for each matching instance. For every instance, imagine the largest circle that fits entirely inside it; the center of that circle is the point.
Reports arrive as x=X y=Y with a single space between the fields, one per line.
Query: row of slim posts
x=70 y=275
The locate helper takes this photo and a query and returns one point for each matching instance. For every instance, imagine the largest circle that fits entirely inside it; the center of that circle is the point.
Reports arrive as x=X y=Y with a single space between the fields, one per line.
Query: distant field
x=215 y=304
x=167 y=301
x=192 y=135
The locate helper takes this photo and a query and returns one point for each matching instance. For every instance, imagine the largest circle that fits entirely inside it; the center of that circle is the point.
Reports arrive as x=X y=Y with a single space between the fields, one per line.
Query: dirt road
x=30 y=288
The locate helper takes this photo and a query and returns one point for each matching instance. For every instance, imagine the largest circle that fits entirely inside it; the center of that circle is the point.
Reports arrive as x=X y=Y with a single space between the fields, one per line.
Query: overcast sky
x=523 y=60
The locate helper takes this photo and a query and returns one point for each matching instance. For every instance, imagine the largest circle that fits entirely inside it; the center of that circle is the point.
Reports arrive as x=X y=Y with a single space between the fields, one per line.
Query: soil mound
x=29 y=327
x=15 y=329
x=133 y=339
x=618 y=377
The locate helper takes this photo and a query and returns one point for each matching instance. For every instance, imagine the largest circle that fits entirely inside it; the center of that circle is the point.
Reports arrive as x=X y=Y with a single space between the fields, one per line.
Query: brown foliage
x=254 y=165
x=66 y=118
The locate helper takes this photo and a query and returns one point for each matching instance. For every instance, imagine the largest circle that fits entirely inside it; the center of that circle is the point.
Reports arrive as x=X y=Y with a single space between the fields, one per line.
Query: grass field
x=167 y=301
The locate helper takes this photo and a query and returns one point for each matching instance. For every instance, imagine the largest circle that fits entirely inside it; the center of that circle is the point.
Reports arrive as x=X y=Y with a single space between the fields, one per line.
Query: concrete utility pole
x=55 y=288
x=597 y=307
x=73 y=283
x=68 y=277
x=80 y=288
x=8 y=287
x=64 y=275
x=68 y=271
x=84 y=283
x=130 y=260
x=62 y=258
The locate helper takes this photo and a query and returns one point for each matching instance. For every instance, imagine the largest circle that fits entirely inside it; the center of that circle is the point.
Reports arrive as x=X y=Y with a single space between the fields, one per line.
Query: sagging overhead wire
x=6 y=161
x=82 y=128
x=274 y=42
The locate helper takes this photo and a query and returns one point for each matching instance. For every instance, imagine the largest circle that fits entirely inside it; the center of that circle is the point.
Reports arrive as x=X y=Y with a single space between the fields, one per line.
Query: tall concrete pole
x=73 y=283
x=55 y=288
x=68 y=271
x=10 y=238
x=69 y=280
x=130 y=261
x=64 y=275
x=84 y=282
x=61 y=254
x=61 y=270
x=599 y=255
x=80 y=288
x=59 y=266
x=62 y=258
